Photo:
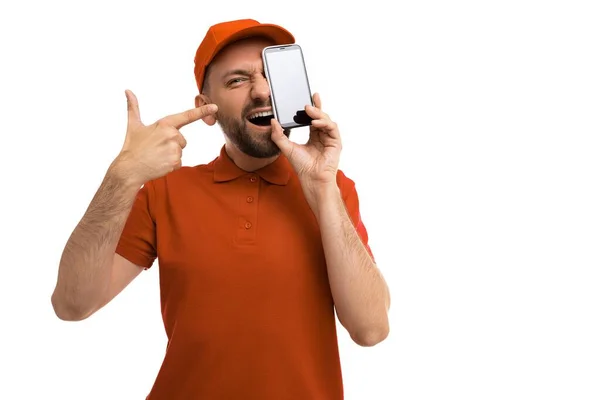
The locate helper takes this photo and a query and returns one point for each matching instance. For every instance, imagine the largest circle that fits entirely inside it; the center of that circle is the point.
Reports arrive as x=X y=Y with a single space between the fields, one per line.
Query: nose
x=260 y=89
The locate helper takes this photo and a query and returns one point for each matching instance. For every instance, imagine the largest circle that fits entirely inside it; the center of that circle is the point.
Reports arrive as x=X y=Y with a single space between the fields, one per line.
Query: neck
x=244 y=161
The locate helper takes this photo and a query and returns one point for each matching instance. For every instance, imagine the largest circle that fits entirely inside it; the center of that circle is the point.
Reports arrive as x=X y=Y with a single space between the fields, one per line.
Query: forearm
x=358 y=288
x=85 y=267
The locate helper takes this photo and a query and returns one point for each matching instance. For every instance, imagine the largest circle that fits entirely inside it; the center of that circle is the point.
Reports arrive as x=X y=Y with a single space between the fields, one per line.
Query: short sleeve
x=350 y=197
x=138 y=239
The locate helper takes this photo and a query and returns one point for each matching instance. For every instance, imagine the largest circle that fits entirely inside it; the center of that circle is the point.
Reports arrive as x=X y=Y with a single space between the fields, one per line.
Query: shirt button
x=249 y=199
x=248 y=225
x=253 y=179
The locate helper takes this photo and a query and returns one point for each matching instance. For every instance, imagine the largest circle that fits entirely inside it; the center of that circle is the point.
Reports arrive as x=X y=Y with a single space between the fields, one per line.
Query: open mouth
x=262 y=118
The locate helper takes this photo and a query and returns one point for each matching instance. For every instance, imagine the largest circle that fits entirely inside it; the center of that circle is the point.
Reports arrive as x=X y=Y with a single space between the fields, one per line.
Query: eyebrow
x=239 y=71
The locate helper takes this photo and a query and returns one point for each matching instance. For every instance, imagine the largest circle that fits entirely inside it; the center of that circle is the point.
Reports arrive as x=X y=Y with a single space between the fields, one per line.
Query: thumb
x=133 y=109
x=280 y=139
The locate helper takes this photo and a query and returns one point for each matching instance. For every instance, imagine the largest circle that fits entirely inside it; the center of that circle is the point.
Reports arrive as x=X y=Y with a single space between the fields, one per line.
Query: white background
x=472 y=130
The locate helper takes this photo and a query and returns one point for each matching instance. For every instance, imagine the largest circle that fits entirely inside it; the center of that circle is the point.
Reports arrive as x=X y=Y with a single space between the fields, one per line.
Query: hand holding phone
x=286 y=73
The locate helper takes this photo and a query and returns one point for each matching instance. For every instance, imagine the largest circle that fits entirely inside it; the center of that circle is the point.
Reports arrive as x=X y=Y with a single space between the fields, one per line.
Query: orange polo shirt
x=245 y=297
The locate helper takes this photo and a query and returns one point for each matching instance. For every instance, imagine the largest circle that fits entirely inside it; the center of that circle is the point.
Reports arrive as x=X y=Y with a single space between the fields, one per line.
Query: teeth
x=261 y=114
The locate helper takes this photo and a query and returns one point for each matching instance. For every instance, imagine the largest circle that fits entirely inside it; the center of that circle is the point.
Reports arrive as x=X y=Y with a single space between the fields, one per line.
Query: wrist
x=119 y=173
x=328 y=200
x=325 y=193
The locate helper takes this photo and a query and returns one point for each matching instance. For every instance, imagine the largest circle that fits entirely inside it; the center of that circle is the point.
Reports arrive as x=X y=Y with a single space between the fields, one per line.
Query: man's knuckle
x=176 y=165
x=174 y=146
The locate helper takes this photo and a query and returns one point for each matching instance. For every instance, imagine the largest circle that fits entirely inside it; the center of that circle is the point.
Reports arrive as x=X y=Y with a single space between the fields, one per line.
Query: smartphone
x=286 y=73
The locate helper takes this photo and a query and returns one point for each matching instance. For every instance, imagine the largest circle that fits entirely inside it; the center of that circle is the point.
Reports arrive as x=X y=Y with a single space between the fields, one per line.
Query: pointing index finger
x=182 y=119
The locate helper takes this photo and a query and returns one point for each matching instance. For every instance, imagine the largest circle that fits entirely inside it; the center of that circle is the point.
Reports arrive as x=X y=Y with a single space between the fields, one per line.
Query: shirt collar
x=278 y=172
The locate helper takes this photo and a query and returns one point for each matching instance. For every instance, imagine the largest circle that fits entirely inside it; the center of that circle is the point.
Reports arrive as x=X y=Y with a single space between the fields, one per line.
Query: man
x=255 y=248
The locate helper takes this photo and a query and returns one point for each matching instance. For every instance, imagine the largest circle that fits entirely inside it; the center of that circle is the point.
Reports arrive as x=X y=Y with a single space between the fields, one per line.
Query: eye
x=235 y=81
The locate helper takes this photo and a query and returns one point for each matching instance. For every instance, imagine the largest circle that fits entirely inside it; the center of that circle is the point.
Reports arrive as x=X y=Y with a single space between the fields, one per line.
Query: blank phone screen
x=290 y=91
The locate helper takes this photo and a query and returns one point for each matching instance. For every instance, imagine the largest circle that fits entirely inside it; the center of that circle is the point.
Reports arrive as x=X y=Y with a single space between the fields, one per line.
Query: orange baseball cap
x=224 y=33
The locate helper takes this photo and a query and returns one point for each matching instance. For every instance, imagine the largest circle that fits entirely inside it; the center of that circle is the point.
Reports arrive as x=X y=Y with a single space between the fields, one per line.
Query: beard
x=257 y=144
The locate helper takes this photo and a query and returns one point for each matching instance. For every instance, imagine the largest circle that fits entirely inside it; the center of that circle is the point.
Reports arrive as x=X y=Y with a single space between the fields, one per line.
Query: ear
x=201 y=100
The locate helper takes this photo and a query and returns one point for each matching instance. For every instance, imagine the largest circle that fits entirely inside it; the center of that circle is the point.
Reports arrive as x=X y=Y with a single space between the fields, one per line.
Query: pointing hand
x=152 y=151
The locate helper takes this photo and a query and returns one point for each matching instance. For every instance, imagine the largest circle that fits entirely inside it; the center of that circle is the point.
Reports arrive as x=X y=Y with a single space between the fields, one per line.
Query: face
x=237 y=84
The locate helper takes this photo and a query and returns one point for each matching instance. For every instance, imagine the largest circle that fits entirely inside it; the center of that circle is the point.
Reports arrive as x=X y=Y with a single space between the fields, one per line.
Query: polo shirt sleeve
x=138 y=239
x=350 y=197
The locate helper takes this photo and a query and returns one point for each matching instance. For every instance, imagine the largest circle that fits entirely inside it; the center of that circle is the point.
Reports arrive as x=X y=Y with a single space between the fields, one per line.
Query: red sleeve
x=350 y=197
x=138 y=240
